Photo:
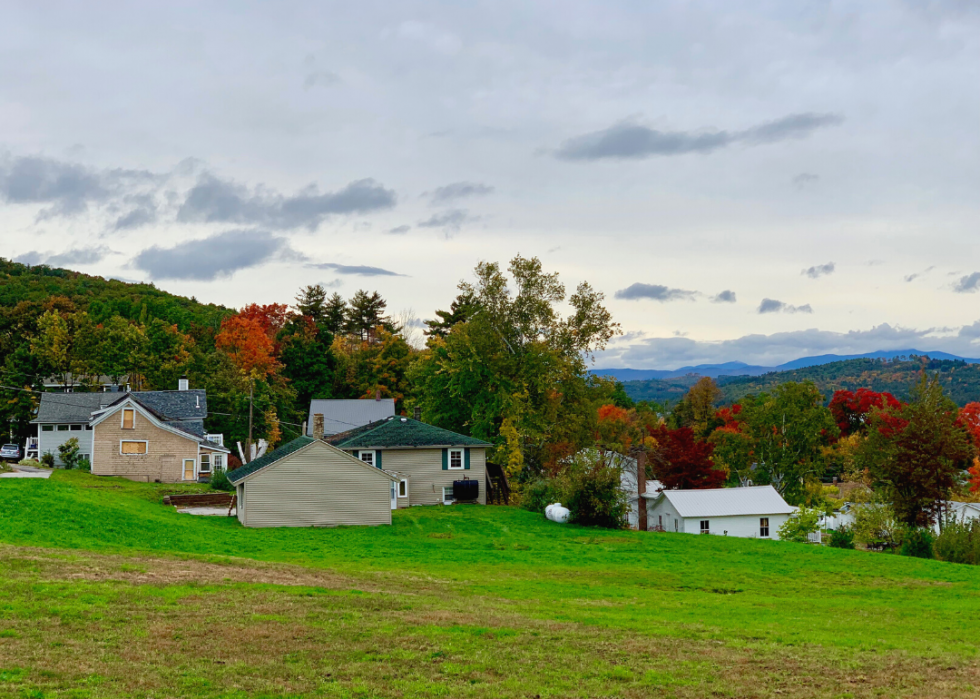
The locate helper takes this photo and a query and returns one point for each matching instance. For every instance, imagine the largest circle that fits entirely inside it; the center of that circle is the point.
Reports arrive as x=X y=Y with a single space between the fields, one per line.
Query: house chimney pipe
x=417 y=413
x=183 y=384
x=318 y=426
x=641 y=488
x=377 y=394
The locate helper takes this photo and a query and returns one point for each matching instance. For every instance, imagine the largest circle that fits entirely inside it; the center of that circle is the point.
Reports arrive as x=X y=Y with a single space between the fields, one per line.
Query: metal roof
x=726 y=502
x=343 y=415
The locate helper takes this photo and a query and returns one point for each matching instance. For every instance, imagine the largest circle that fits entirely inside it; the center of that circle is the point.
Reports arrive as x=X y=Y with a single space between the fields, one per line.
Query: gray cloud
x=968 y=284
x=216 y=200
x=458 y=190
x=804 y=179
x=657 y=292
x=450 y=220
x=68 y=258
x=628 y=140
x=774 y=306
x=726 y=296
x=818 y=271
x=400 y=230
x=916 y=275
x=143 y=212
x=219 y=255
x=359 y=270
x=320 y=78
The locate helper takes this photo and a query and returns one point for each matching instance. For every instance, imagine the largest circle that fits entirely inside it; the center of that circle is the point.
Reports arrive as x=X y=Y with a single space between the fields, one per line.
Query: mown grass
x=462 y=601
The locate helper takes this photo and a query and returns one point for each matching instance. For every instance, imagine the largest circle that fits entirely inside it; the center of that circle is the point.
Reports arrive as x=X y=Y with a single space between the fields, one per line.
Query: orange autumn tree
x=248 y=345
x=970 y=418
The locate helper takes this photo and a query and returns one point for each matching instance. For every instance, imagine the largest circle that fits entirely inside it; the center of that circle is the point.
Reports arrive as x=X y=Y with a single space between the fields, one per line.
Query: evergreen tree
x=335 y=314
x=461 y=310
x=365 y=313
x=311 y=301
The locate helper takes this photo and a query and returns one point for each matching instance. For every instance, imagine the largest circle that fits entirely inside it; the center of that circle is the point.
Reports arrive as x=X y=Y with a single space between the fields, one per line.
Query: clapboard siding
x=426 y=476
x=164 y=458
x=317 y=486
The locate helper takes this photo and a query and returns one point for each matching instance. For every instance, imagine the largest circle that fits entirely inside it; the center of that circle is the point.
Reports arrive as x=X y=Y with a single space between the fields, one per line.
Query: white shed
x=755 y=512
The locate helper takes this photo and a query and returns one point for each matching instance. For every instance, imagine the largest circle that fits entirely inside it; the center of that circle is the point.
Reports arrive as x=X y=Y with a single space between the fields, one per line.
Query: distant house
x=435 y=466
x=343 y=415
x=309 y=483
x=753 y=512
x=145 y=436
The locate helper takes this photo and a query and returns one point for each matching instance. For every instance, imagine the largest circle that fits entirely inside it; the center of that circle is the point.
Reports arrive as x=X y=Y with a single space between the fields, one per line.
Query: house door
x=189 y=469
x=394 y=496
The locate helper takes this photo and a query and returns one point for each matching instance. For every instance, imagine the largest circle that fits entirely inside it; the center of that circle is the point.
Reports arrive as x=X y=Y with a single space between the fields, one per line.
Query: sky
x=751 y=181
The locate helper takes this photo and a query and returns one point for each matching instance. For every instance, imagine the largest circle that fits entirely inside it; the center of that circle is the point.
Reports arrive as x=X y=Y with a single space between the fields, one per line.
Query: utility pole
x=248 y=442
x=641 y=489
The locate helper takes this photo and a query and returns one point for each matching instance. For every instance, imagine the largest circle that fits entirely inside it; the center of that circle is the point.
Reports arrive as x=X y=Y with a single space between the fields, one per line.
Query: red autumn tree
x=974 y=472
x=681 y=461
x=970 y=419
x=248 y=345
x=272 y=317
x=730 y=418
x=851 y=409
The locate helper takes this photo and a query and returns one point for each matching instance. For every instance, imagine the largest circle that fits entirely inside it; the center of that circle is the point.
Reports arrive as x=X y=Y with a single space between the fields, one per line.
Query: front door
x=189 y=469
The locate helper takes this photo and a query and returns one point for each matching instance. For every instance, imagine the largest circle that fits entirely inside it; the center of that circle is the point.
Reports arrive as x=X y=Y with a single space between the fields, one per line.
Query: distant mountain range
x=743 y=369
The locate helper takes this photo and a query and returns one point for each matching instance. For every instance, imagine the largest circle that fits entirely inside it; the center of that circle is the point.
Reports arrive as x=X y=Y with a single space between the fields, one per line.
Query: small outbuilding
x=755 y=512
x=309 y=483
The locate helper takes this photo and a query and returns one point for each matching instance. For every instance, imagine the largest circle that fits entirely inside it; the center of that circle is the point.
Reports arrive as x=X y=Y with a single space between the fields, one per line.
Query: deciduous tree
x=680 y=460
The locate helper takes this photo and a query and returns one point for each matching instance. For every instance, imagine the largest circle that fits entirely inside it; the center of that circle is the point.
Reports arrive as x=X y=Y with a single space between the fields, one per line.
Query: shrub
x=917 y=543
x=959 y=542
x=69 y=453
x=595 y=496
x=219 y=481
x=875 y=525
x=800 y=525
x=842 y=537
x=538 y=494
x=28 y=462
x=48 y=459
x=83 y=465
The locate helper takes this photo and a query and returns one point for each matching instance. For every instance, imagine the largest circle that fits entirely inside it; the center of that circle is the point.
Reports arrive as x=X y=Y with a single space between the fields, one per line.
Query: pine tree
x=311 y=301
x=461 y=310
x=365 y=313
x=335 y=314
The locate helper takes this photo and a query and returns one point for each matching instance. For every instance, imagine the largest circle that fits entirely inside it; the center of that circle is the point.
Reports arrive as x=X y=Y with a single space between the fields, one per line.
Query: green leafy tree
x=462 y=309
x=799 y=525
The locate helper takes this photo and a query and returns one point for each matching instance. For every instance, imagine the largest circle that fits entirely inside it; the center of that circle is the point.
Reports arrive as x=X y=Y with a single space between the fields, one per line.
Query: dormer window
x=128 y=419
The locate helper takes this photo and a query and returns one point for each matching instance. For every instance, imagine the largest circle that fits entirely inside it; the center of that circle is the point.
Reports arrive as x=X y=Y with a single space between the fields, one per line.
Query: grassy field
x=106 y=593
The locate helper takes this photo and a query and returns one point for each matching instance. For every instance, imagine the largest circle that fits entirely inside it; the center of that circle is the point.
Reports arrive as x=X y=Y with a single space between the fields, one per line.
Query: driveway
x=26 y=472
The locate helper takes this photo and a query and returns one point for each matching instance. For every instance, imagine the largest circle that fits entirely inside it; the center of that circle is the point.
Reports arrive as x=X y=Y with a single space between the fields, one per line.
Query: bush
x=875 y=525
x=47 y=459
x=84 y=465
x=959 y=542
x=800 y=525
x=539 y=494
x=219 y=481
x=917 y=543
x=595 y=495
x=28 y=462
x=69 y=453
x=842 y=538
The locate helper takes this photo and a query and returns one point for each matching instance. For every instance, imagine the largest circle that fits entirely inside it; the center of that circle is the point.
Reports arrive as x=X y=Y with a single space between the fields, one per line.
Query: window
x=403 y=488
x=130 y=447
x=128 y=419
x=218 y=461
x=367 y=457
x=764 y=527
x=62 y=428
x=88 y=427
x=455 y=458
x=47 y=428
x=205 y=463
x=189 y=469
x=218 y=439
x=447 y=495
x=705 y=526
x=75 y=428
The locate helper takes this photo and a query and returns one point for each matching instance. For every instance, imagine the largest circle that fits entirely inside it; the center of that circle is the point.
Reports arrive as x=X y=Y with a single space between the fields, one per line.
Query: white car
x=10 y=452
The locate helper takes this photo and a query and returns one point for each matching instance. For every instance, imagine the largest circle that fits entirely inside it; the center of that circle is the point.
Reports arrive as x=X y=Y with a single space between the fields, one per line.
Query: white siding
x=315 y=487
x=50 y=441
x=426 y=476
x=743 y=526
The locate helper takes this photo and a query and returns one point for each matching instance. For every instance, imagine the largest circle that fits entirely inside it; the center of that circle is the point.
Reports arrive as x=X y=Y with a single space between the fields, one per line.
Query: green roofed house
x=309 y=483
x=433 y=466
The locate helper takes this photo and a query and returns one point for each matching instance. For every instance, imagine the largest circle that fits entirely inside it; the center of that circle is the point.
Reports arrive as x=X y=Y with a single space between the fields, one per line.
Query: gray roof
x=176 y=405
x=344 y=415
x=184 y=408
x=726 y=502
x=72 y=407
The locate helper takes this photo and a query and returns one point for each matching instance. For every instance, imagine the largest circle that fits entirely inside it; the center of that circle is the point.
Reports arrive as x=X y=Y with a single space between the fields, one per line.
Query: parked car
x=10 y=452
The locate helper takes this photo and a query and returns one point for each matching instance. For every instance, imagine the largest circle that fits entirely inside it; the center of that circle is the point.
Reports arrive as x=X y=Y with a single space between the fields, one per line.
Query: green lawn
x=108 y=593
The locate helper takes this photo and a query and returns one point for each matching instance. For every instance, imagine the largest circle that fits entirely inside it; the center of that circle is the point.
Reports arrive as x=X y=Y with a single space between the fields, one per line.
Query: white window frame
x=374 y=457
x=183 y=469
x=122 y=418
x=200 y=460
x=403 y=482
x=705 y=526
x=74 y=428
x=127 y=441
x=64 y=428
x=217 y=462
x=763 y=527
x=462 y=460
x=447 y=500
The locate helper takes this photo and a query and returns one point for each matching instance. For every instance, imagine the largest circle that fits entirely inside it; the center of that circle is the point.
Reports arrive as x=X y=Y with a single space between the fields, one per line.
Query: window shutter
x=466 y=458
x=355 y=454
x=377 y=458
x=445 y=459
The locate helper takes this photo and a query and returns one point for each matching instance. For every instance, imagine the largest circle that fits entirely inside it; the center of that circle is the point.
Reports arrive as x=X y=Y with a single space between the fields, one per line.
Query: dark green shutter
x=445 y=459
x=377 y=459
x=466 y=458
x=355 y=454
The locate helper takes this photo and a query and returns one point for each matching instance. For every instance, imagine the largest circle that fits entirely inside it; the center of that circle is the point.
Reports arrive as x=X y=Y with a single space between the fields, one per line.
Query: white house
x=754 y=512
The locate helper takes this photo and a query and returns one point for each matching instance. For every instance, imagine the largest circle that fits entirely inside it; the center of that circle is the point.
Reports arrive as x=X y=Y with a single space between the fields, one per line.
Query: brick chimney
x=377 y=394
x=417 y=413
x=318 y=426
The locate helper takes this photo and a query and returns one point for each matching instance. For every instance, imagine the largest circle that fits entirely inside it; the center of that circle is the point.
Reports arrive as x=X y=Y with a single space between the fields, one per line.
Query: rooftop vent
x=404 y=419
x=183 y=384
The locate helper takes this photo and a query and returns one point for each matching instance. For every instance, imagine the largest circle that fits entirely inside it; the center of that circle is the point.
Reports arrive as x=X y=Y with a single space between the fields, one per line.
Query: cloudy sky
x=753 y=181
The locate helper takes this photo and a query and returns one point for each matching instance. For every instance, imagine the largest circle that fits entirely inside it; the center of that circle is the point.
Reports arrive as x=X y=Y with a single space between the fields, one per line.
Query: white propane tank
x=557 y=513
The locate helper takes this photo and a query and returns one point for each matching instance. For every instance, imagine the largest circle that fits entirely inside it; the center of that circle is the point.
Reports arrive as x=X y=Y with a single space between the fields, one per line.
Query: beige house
x=309 y=483
x=135 y=441
x=434 y=466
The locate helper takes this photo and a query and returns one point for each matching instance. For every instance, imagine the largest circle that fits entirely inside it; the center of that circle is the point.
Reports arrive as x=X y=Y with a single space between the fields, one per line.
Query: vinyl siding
x=48 y=442
x=426 y=477
x=164 y=458
x=315 y=487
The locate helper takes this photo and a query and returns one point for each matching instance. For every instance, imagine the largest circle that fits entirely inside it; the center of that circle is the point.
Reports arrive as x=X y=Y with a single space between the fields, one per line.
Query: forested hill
x=960 y=380
x=102 y=298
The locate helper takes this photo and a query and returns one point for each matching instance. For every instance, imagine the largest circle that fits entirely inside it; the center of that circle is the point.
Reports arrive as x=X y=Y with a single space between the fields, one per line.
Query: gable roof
x=190 y=429
x=343 y=415
x=71 y=407
x=266 y=460
x=726 y=502
x=396 y=432
x=167 y=405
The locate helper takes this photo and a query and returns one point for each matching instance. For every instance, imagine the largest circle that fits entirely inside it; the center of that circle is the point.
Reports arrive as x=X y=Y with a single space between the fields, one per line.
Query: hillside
x=960 y=379
x=111 y=594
